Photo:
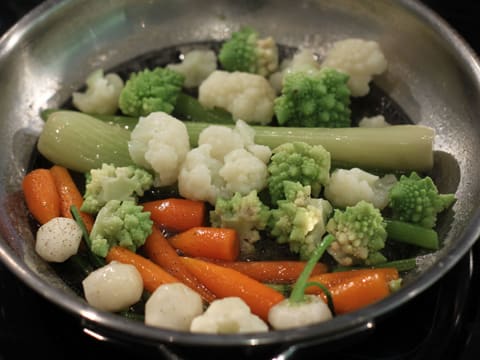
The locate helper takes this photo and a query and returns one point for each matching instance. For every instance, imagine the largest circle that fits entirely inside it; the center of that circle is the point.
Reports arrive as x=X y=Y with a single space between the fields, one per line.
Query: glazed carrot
x=159 y=250
x=176 y=214
x=355 y=290
x=208 y=242
x=276 y=272
x=340 y=277
x=69 y=194
x=152 y=274
x=225 y=282
x=41 y=195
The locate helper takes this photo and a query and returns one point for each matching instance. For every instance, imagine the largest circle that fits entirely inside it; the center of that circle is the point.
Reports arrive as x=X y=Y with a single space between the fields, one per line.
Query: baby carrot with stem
x=352 y=290
x=208 y=242
x=41 y=195
x=339 y=277
x=69 y=194
x=225 y=282
x=152 y=274
x=158 y=249
x=273 y=271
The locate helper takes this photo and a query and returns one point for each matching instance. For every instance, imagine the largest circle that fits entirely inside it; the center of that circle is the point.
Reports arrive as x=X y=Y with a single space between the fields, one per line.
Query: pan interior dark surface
x=36 y=63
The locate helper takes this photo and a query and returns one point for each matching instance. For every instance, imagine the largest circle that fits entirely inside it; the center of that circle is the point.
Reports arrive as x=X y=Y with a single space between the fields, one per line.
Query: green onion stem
x=298 y=291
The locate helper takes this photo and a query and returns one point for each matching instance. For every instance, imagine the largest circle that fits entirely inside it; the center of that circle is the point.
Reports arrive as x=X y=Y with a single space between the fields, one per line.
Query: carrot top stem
x=298 y=292
x=96 y=260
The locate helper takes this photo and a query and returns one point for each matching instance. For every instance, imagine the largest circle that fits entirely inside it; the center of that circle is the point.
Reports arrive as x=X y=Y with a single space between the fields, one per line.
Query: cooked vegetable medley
x=232 y=191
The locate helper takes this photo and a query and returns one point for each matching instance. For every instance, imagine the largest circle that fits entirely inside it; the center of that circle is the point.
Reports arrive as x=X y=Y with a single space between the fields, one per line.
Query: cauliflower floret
x=58 y=239
x=374 y=121
x=113 y=287
x=360 y=59
x=247 y=133
x=303 y=60
x=229 y=315
x=160 y=142
x=101 y=95
x=198 y=178
x=173 y=306
x=243 y=172
x=226 y=161
x=348 y=187
x=246 y=96
x=224 y=140
x=196 y=66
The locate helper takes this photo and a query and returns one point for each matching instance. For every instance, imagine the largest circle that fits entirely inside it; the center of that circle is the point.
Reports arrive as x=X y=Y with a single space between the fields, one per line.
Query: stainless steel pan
x=432 y=74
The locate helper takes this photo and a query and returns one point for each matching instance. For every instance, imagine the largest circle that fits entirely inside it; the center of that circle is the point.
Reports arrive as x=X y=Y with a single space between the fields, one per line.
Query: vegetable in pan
x=222 y=191
x=314 y=99
x=245 y=51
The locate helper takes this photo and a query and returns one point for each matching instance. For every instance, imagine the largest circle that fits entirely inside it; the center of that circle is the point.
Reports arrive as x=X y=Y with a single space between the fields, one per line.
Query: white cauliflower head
x=246 y=96
x=226 y=161
x=101 y=95
x=196 y=66
x=230 y=315
x=373 y=121
x=360 y=59
x=303 y=60
x=243 y=172
x=222 y=140
x=160 y=142
x=348 y=187
x=198 y=178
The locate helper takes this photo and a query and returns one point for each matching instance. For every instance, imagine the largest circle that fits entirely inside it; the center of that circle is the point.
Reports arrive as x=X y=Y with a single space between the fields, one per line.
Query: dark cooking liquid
x=375 y=103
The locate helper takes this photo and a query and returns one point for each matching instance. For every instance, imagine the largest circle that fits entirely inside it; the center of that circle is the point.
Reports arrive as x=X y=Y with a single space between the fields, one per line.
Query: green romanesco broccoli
x=416 y=200
x=298 y=161
x=314 y=99
x=299 y=220
x=114 y=183
x=246 y=52
x=122 y=223
x=360 y=234
x=244 y=213
x=149 y=91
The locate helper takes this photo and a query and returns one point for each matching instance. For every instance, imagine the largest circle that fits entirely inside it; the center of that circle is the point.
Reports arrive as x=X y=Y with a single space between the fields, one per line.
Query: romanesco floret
x=148 y=91
x=244 y=213
x=416 y=200
x=314 y=99
x=114 y=183
x=246 y=52
x=299 y=219
x=122 y=223
x=359 y=233
x=298 y=161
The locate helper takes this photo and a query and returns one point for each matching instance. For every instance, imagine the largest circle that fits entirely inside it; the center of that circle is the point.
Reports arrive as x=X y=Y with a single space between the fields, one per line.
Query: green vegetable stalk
x=81 y=142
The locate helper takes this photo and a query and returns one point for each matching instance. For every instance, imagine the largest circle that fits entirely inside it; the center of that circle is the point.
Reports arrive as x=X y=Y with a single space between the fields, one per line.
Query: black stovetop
x=442 y=323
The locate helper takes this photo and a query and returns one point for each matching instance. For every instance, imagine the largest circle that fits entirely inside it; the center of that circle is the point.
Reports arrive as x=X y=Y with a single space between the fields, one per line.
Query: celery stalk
x=392 y=148
x=81 y=142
